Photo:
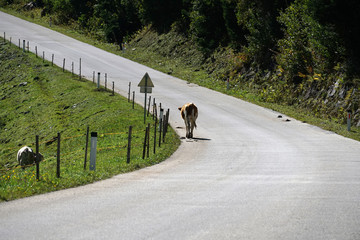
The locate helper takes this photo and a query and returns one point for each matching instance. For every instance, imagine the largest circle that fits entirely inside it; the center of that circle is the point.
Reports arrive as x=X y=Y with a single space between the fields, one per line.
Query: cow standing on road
x=189 y=113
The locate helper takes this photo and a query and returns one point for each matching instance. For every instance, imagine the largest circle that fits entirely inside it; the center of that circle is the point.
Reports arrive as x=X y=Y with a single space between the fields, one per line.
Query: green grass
x=37 y=99
x=156 y=56
x=95 y=110
x=246 y=92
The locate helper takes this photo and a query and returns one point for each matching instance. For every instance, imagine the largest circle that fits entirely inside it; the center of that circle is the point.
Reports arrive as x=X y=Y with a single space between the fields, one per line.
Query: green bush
x=307 y=47
x=258 y=19
x=207 y=24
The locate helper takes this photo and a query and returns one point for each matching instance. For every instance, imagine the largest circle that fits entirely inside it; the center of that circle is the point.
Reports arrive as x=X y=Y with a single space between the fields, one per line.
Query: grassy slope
x=171 y=54
x=154 y=53
x=153 y=50
x=37 y=99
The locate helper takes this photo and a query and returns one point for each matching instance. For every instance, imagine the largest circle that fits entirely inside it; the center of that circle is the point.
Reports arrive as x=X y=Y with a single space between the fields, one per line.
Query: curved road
x=247 y=175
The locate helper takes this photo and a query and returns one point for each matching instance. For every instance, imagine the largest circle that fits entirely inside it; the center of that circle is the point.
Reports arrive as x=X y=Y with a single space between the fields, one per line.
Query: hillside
x=299 y=57
x=321 y=100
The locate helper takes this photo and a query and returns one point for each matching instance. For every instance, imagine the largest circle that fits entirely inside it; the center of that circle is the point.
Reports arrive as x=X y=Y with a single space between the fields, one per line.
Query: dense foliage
x=300 y=38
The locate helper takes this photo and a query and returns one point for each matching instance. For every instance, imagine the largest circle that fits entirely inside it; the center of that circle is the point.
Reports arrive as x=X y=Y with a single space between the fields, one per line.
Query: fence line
x=163 y=121
x=66 y=138
x=71 y=69
x=65 y=156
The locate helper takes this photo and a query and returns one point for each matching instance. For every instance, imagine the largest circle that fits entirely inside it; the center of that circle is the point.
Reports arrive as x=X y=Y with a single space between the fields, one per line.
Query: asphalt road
x=246 y=175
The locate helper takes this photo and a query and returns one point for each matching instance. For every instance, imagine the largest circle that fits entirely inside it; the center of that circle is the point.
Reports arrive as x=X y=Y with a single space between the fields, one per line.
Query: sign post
x=93 y=151
x=146 y=86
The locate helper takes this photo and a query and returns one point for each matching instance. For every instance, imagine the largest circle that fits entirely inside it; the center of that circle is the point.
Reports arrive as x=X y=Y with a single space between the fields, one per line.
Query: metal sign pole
x=146 y=86
x=145 y=99
x=93 y=151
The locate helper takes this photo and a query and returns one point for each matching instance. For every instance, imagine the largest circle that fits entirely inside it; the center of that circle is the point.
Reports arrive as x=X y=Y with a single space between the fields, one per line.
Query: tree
x=344 y=19
x=308 y=47
x=118 y=18
x=161 y=13
x=207 y=24
x=259 y=19
x=235 y=32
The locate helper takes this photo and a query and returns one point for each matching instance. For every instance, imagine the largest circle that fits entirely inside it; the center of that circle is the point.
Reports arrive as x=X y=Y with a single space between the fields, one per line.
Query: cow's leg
x=188 y=130
x=187 y=125
x=193 y=124
x=191 y=130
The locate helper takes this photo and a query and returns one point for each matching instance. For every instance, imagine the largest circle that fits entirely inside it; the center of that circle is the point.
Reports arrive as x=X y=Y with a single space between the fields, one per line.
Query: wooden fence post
x=58 y=157
x=149 y=106
x=52 y=60
x=148 y=141
x=155 y=111
x=64 y=65
x=155 y=135
x=133 y=100
x=37 y=160
x=86 y=146
x=129 y=146
x=166 y=122
x=113 y=89
x=129 y=92
x=80 y=69
x=145 y=142
x=163 y=129
x=167 y=118
x=105 y=81
x=154 y=106
x=161 y=123
x=160 y=131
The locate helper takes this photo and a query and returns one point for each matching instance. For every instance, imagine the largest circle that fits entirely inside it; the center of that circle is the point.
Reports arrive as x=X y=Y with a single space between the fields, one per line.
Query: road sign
x=146 y=84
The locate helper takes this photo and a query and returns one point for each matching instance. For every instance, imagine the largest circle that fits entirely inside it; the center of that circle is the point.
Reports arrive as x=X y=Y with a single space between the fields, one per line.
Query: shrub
x=308 y=47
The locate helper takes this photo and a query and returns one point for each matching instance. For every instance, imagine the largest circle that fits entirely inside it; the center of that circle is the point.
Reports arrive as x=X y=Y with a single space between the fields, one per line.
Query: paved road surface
x=247 y=175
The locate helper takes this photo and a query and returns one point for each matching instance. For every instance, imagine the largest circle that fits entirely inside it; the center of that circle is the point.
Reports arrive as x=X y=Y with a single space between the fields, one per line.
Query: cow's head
x=41 y=157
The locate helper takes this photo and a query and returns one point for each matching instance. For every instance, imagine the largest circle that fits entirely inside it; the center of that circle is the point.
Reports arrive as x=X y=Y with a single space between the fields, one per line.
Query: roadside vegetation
x=299 y=57
x=39 y=99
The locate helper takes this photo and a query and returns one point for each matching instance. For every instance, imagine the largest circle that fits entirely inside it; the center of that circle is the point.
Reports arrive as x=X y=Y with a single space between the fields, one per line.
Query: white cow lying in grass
x=26 y=156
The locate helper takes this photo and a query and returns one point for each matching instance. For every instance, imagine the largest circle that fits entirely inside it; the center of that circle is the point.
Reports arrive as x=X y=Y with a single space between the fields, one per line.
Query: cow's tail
x=186 y=117
x=193 y=117
x=194 y=121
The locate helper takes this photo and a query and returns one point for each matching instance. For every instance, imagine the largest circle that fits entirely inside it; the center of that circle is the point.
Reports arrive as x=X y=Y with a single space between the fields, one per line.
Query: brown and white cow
x=26 y=156
x=189 y=113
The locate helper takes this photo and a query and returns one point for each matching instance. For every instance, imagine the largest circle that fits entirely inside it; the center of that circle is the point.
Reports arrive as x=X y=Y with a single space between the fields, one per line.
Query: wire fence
x=78 y=142
x=66 y=65
x=122 y=143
